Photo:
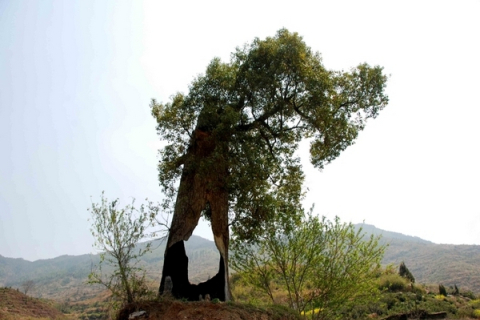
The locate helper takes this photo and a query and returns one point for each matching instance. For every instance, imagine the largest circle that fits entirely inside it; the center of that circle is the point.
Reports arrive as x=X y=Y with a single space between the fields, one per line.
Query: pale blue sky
x=76 y=79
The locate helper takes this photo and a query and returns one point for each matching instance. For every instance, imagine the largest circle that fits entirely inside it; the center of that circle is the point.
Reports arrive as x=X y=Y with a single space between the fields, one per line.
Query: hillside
x=438 y=263
x=16 y=305
x=432 y=263
x=63 y=278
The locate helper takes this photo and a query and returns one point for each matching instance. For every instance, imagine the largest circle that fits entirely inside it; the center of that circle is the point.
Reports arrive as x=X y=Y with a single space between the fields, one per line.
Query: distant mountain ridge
x=432 y=263
x=65 y=276
x=371 y=229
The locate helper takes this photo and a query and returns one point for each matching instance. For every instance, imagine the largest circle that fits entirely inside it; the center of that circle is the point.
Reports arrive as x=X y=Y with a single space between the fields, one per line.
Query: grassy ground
x=16 y=305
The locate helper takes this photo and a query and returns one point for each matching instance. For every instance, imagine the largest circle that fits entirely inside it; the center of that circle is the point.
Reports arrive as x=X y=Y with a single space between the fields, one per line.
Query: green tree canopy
x=255 y=110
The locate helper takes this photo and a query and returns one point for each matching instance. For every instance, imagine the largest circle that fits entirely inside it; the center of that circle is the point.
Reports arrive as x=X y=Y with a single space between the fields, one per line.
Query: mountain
x=432 y=263
x=64 y=277
x=371 y=229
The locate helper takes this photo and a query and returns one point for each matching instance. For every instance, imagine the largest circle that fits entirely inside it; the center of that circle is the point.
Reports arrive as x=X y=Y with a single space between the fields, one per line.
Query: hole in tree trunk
x=203 y=258
x=177 y=265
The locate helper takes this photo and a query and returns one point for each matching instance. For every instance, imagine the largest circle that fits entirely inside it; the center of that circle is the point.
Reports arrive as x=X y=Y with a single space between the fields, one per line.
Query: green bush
x=468 y=294
x=392 y=283
x=476 y=313
x=475 y=304
x=405 y=273
x=442 y=290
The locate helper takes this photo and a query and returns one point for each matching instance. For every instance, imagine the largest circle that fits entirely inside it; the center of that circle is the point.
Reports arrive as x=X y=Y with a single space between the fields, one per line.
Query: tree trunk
x=198 y=190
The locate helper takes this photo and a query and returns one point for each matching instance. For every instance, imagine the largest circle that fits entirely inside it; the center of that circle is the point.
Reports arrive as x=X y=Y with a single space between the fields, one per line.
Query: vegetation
x=231 y=142
x=63 y=279
x=441 y=290
x=433 y=263
x=397 y=297
x=17 y=305
x=117 y=231
x=27 y=286
x=405 y=273
x=323 y=267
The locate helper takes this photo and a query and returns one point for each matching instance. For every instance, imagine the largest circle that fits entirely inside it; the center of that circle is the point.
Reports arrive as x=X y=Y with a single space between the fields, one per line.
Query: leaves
x=321 y=264
x=117 y=231
x=253 y=111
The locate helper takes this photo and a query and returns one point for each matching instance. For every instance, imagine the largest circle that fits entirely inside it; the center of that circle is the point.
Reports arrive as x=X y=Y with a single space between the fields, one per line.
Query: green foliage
x=322 y=265
x=468 y=294
x=405 y=273
x=414 y=306
x=475 y=303
x=476 y=313
x=442 y=290
x=392 y=282
x=436 y=263
x=251 y=113
x=117 y=232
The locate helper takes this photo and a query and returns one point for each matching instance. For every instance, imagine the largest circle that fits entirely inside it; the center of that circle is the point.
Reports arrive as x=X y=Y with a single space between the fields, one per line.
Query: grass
x=173 y=309
x=16 y=305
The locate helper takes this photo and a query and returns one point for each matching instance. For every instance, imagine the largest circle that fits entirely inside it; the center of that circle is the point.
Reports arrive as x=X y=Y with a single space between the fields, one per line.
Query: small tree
x=442 y=290
x=456 y=292
x=323 y=265
x=27 y=286
x=405 y=273
x=117 y=232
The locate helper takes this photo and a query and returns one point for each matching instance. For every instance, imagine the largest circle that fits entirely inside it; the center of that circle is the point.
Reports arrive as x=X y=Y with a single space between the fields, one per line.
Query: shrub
x=405 y=273
x=392 y=283
x=475 y=304
x=442 y=290
x=476 y=313
x=310 y=312
x=117 y=231
x=321 y=264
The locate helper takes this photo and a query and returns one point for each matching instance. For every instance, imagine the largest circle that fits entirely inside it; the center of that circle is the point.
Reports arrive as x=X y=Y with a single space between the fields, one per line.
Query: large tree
x=231 y=142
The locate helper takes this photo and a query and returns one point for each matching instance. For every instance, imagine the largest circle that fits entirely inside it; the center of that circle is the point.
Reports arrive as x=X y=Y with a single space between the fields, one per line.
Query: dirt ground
x=171 y=309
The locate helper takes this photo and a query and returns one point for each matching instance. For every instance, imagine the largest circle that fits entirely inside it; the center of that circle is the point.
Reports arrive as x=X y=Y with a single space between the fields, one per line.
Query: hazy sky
x=76 y=79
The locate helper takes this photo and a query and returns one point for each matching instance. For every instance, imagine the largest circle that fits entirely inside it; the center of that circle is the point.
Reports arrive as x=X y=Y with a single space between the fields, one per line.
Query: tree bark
x=199 y=190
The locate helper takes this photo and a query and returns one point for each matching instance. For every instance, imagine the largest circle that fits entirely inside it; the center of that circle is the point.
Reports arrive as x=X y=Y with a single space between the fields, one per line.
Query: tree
x=117 y=232
x=27 y=286
x=231 y=141
x=322 y=265
x=405 y=273
x=442 y=290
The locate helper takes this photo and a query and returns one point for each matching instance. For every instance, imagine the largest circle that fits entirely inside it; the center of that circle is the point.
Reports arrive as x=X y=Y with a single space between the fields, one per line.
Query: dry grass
x=174 y=309
x=16 y=305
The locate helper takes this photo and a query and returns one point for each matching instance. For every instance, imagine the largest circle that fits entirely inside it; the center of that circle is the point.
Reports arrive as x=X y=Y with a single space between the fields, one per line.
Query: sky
x=77 y=77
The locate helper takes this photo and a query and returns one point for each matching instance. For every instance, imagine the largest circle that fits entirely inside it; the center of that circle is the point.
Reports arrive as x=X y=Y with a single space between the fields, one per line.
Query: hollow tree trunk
x=199 y=188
